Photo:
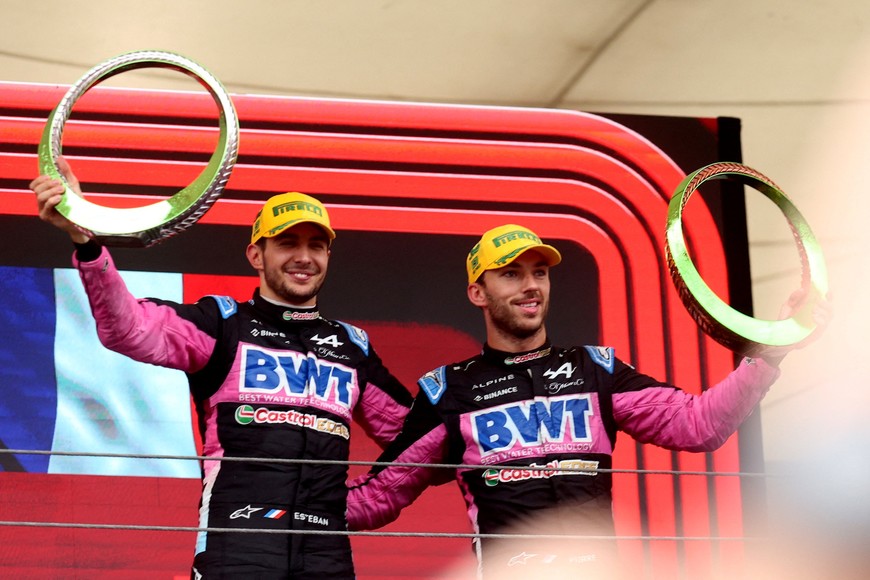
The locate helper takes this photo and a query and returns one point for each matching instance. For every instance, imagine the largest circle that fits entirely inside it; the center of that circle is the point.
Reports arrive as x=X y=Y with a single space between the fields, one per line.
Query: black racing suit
x=270 y=382
x=553 y=408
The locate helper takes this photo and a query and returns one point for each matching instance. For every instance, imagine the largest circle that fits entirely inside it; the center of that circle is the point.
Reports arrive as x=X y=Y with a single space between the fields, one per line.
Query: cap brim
x=550 y=254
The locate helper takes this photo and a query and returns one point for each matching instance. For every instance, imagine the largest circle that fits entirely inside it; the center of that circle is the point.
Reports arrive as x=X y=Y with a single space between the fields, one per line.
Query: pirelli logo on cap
x=286 y=210
x=500 y=246
x=295 y=206
x=522 y=234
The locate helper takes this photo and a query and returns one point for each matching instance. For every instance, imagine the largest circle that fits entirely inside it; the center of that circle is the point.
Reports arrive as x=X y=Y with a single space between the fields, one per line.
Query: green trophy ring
x=741 y=333
x=150 y=224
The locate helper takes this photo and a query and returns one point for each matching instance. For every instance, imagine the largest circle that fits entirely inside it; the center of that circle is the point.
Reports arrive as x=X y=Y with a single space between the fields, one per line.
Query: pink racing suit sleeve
x=378 y=497
x=673 y=419
x=142 y=330
x=380 y=414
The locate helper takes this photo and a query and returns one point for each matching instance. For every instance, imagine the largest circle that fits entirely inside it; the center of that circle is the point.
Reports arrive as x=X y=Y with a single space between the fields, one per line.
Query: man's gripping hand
x=49 y=192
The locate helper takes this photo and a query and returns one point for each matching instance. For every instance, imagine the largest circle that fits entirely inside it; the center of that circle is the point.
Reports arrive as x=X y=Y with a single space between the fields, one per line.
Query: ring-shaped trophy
x=149 y=224
x=741 y=333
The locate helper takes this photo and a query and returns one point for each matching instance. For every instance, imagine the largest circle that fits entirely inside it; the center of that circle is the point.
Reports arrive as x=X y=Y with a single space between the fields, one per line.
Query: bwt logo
x=295 y=374
x=533 y=423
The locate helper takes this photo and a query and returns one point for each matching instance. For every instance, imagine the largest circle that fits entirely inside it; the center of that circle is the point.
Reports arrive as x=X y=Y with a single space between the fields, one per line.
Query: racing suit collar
x=512 y=359
x=292 y=314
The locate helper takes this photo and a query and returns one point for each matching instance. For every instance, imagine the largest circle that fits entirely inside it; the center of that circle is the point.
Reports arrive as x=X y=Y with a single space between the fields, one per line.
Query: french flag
x=66 y=392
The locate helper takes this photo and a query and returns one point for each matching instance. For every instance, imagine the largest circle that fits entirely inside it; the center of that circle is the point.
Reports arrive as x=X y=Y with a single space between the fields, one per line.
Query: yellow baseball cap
x=502 y=245
x=286 y=210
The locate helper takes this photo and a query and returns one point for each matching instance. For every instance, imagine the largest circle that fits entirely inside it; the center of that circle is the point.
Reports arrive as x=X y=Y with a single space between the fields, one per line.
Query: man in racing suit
x=552 y=412
x=271 y=379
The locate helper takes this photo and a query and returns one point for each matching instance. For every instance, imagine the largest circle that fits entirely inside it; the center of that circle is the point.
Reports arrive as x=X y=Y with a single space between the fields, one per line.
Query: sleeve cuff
x=89 y=251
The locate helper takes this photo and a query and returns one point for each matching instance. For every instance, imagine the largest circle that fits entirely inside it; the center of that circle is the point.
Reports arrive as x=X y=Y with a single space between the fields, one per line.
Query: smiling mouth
x=301 y=276
x=529 y=305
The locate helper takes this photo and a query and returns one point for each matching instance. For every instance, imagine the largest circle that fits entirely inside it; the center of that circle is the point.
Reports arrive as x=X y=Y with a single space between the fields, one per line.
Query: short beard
x=279 y=287
x=501 y=318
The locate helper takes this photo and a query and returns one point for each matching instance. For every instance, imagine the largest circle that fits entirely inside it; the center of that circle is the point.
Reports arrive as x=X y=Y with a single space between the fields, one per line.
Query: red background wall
x=409 y=187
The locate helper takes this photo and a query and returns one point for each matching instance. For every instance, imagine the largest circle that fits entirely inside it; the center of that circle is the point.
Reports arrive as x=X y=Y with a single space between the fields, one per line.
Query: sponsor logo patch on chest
x=275 y=376
x=493 y=477
x=556 y=424
x=495 y=394
x=248 y=415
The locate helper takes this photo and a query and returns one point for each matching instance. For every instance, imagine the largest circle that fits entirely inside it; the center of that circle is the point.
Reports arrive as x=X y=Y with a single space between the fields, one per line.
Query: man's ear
x=255 y=256
x=476 y=294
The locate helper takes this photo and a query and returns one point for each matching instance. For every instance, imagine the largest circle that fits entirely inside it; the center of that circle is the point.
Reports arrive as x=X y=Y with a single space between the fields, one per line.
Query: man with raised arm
x=271 y=379
x=549 y=413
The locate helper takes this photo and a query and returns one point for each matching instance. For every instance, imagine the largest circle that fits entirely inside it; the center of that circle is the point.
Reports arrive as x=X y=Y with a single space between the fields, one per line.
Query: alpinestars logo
x=521 y=559
x=244 y=512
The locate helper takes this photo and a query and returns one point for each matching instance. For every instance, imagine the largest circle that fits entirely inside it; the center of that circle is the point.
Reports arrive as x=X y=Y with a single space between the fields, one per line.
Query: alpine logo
x=567 y=369
x=331 y=340
x=521 y=358
x=495 y=381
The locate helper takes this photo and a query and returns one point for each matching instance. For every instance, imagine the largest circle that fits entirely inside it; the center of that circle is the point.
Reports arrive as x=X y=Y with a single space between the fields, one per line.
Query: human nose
x=531 y=283
x=302 y=255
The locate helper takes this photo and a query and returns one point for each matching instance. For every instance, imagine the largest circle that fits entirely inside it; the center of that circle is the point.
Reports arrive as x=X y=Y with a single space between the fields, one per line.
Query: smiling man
x=534 y=425
x=515 y=299
x=271 y=378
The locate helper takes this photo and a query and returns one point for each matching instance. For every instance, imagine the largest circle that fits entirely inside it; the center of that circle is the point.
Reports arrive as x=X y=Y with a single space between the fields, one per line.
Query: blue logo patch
x=433 y=384
x=226 y=305
x=357 y=336
x=603 y=356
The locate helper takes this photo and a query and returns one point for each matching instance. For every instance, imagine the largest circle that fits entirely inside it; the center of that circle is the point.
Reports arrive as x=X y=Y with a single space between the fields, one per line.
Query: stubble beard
x=276 y=281
x=511 y=324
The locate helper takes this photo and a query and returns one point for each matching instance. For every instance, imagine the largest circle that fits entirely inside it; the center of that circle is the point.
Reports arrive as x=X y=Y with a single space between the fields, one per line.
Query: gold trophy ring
x=741 y=333
x=150 y=224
